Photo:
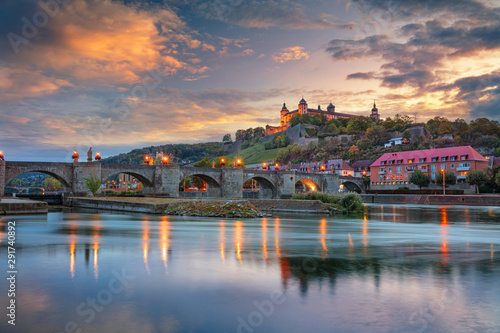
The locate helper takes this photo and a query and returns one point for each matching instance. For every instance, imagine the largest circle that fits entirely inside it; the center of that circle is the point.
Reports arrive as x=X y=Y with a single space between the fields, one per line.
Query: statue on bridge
x=89 y=155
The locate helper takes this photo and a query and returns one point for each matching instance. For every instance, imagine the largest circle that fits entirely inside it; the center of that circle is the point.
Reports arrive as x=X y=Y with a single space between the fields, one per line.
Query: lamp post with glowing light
x=164 y=160
x=276 y=167
x=75 y=156
x=238 y=162
x=341 y=188
x=444 y=186
x=97 y=156
x=1 y=156
x=222 y=162
x=264 y=166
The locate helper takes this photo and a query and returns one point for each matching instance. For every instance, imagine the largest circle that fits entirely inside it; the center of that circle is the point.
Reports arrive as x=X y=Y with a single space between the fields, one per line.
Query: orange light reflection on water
x=277 y=236
x=222 y=240
x=239 y=239
x=323 y=233
x=444 y=235
x=145 y=242
x=264 y=238
x=164 y=239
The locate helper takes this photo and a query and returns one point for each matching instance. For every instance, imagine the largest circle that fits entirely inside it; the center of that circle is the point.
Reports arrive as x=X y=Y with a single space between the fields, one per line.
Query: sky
x=118 y=75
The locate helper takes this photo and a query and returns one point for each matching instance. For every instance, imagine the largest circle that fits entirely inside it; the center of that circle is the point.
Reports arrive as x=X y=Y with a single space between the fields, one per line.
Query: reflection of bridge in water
x=165 y=179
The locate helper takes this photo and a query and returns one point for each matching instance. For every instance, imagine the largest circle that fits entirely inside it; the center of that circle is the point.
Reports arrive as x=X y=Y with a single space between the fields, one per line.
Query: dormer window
x=434 y=159
x=463 y=157
x=453 y=158
x=444 y=158
x=382 y=163
x=422 y=160
x=411 y=160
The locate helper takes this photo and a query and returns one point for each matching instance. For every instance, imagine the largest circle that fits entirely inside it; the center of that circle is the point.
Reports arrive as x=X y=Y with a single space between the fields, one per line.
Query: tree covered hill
x=182 y=153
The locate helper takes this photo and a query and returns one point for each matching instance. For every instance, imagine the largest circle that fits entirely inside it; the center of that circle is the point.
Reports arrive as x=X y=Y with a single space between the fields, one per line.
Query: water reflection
x=344 y=272
x=238 y=239
x=164 y=239
x=222 y=240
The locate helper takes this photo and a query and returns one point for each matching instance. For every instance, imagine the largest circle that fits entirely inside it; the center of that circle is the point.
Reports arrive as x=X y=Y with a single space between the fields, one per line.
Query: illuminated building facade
x=330 y=113
x=392 y=170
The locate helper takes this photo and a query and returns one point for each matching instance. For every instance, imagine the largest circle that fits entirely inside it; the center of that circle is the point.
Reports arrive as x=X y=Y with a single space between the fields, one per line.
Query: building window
x=391 y=162
x=443 y=166
x=398 y=169
x=422 y=160
x=444 y=158
x=390 y=169
x=463 y=157
x=433 y=168
x=411 y=160
x=382 y=163
x=453 y=166
x=434 y=159
x=453 y=158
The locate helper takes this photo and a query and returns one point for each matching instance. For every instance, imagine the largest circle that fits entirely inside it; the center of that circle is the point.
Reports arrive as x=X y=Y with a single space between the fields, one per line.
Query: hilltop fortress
x=286 y=115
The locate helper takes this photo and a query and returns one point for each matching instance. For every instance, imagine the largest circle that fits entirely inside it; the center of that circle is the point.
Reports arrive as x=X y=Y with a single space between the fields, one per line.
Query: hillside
x=256 y=154
x=181 y=153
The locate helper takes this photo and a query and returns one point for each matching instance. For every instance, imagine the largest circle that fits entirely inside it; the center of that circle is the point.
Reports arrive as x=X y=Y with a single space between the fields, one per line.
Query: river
x=397 y=269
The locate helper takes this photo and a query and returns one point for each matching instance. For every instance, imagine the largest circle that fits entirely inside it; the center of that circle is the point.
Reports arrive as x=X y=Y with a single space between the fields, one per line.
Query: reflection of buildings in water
x=238 y=239
x=164 y=239
x=222 y=240
x=491 y=251
x=286 y=271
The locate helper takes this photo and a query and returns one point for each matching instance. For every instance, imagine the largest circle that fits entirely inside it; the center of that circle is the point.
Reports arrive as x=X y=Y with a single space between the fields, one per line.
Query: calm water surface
x=397 y=269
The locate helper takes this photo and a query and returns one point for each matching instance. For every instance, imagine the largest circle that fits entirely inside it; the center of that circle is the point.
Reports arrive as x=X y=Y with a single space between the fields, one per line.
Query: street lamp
x=165 y=160
x=238 y=162
x=1 y=156
x=264 y=166
x=276 y=167
x=98 y=156
x=222 y=162
x=444 y=186
x=75 y=156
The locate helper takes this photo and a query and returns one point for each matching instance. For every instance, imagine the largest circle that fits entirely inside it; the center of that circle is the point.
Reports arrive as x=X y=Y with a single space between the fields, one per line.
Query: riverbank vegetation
x=348 y=203
x=215 y=209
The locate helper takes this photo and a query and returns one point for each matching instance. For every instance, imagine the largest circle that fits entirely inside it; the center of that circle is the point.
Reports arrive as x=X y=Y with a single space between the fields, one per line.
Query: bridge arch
x=351 y=186
x=66 y=185
x=147 y=185
x=214 y=188
x=267 y=189
x=310 y=184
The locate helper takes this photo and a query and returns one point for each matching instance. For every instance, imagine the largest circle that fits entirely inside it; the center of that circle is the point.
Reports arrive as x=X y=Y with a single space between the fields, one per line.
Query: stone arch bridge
x=165 y=179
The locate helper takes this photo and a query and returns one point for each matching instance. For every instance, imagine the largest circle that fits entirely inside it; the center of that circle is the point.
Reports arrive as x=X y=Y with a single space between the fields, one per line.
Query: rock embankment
x=235 y=209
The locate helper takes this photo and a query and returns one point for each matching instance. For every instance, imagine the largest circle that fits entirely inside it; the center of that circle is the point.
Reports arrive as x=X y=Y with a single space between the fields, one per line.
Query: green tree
x=497 y=179
x=227 y=138
x=364 y=144
x=93 y=183
x=377 y=135
x=477 y=178
x=52 y=184
x=420 y=179
x=407 y=135
x=449 y=178
x=295 y=120
x=204 y=163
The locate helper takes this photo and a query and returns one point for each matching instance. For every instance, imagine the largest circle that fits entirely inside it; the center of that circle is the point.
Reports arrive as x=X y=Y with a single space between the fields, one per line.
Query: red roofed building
x=392 y=170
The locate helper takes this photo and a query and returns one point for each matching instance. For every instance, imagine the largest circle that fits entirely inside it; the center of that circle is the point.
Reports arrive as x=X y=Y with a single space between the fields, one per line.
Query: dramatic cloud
x=290 y=53
x=426 y=55
x=268 y=13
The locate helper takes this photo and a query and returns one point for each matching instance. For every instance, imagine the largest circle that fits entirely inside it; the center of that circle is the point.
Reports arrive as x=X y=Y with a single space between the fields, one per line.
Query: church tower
x=375 y=116
x=284 y=111
x=302 y=106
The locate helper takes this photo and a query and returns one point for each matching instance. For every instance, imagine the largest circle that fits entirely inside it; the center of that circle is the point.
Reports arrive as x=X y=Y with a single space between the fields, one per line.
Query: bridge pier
x=231 y=183
x=2 y=178
x=83 y=170
x=330 y=184
x=286 y=186
x=166 y=180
